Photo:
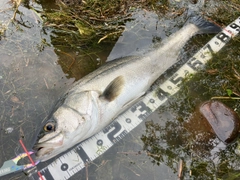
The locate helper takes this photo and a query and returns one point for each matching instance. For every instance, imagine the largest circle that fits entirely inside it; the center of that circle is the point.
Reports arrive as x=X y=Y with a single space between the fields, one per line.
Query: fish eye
x=49 y=127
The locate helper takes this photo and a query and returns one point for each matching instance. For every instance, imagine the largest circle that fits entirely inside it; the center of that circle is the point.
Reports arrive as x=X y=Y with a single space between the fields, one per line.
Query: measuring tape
x=74 y=160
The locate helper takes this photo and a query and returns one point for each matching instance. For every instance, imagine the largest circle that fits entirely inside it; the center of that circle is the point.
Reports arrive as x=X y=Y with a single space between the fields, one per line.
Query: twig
x=234 y=6
x=135 y=153
x=17 y=4
x=222 y=97
x=46 y=83
x=102 y=164
x=86 y=168
x=110 y=34
x=140 y=152
x=132 y=171
x=35 y=13
x=70 y=57
x=180 y=169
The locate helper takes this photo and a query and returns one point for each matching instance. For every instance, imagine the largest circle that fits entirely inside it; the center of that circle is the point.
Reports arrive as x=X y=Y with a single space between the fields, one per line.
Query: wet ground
x=38 y=63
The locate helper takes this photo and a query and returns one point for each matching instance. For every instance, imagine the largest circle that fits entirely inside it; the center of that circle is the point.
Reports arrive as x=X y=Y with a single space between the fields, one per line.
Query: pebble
x=8 y=130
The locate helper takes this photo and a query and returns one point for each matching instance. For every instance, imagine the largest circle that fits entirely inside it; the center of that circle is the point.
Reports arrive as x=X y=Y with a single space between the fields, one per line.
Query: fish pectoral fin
x=113 y=90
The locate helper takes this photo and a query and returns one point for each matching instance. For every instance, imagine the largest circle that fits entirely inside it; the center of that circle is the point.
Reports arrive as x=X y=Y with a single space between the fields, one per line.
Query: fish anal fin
x=113 y=90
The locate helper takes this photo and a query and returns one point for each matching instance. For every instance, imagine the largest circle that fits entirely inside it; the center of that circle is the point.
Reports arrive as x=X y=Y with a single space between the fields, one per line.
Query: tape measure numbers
x=74 y=160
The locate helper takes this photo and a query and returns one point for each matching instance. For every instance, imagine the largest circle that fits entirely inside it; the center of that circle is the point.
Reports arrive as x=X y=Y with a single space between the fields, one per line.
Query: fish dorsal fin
x=113 y=90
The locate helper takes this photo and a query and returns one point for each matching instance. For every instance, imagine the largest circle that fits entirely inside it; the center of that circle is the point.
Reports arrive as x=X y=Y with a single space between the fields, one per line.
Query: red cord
x=30 y=158
x=40 y=175
x=24 y=148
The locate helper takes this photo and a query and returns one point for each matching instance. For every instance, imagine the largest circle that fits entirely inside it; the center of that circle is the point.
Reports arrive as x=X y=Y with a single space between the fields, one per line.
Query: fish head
x=80 y=115
x=72 y=122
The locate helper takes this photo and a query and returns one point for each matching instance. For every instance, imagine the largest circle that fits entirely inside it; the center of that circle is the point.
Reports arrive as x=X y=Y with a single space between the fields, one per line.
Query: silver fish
x=95 y=100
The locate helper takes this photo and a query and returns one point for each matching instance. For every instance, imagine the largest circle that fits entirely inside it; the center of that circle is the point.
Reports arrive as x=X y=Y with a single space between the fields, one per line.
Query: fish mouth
x=45 y=150
x=41 y=149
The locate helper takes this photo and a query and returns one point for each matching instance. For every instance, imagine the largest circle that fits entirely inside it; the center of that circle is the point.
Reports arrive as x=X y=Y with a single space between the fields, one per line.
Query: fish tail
x=204 y=25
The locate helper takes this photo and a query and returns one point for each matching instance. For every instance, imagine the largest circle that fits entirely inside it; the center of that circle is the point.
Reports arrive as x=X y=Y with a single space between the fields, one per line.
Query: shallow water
x=36 y=68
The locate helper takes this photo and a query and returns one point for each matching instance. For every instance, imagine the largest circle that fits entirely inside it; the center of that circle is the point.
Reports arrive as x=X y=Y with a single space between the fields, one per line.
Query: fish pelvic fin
x=204 y=25
x=113 y=90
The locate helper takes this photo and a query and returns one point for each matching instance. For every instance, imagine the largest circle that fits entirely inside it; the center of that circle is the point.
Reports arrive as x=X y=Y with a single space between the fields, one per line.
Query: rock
x=223 y=120
x=8 y=130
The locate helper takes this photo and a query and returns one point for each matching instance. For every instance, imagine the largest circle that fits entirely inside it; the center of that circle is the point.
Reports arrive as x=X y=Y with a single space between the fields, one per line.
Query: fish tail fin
x=204 y=25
